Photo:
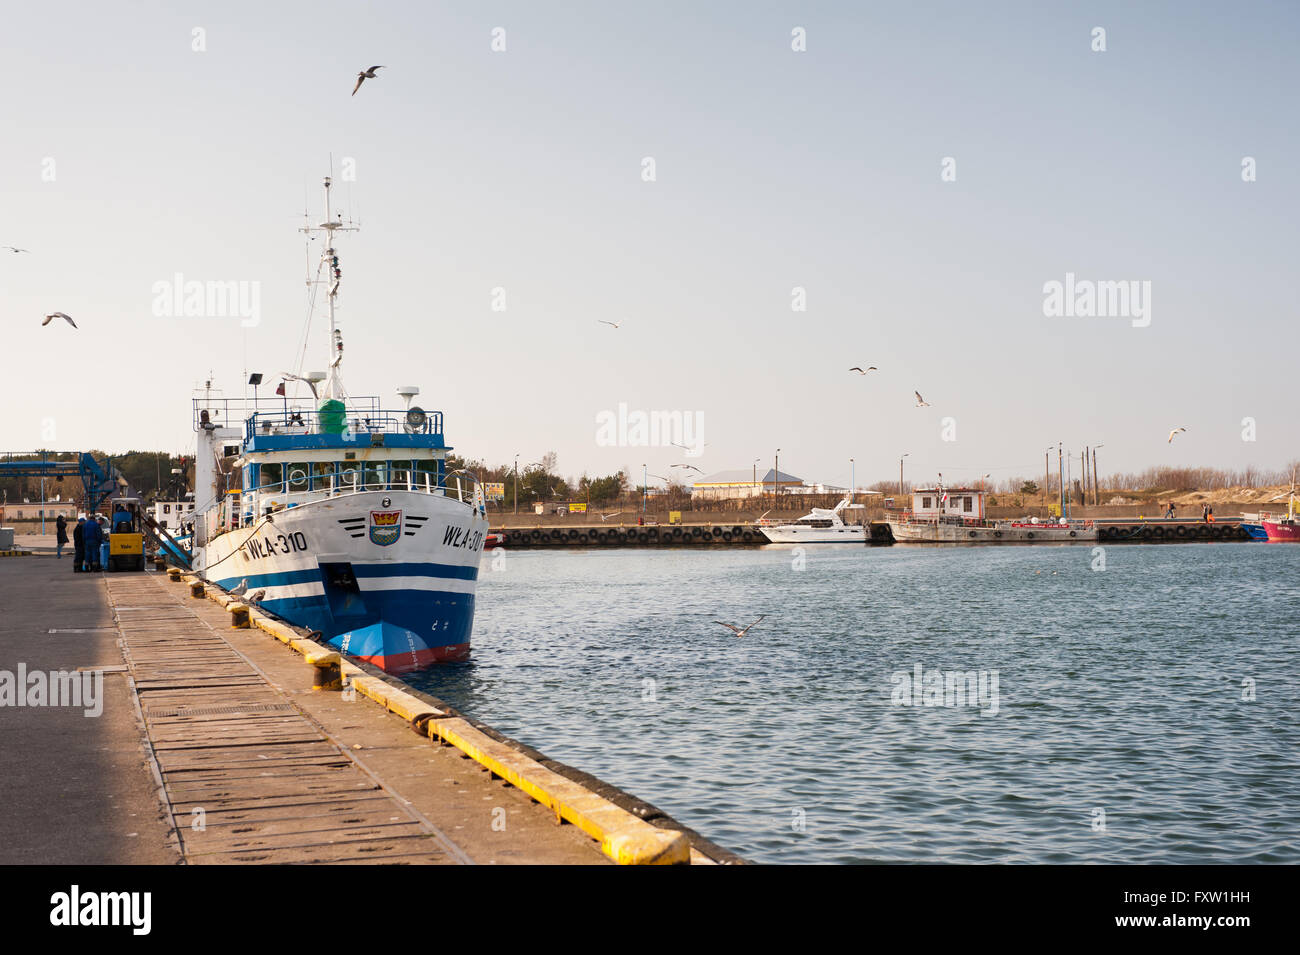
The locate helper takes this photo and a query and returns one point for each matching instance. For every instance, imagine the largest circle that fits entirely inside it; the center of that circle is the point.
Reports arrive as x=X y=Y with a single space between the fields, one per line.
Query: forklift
x=125 y=535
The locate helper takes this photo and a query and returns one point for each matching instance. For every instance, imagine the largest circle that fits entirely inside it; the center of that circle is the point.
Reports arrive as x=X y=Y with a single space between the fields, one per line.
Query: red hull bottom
x=1281 y=532
x=403 y=663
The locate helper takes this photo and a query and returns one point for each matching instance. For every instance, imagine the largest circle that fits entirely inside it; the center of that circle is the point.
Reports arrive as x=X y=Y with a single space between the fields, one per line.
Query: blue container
x=103 y=554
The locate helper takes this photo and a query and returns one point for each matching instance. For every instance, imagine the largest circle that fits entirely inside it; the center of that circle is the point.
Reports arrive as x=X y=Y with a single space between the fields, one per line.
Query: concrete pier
x=213 y=748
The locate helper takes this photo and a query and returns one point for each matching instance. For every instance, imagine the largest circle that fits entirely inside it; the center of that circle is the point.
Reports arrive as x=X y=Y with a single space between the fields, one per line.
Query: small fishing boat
x=956 y=515
x=1283 y=527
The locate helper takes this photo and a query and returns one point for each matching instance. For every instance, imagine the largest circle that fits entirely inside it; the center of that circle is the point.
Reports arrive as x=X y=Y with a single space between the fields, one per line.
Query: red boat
x=1282 y=528
x=493 y=540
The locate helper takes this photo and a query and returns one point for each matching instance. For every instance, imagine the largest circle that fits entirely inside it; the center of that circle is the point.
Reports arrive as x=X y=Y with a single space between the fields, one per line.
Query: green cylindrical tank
x=333 y=416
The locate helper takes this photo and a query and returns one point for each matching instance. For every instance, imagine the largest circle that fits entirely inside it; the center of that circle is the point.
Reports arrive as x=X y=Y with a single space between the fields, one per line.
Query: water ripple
x=1121 y=733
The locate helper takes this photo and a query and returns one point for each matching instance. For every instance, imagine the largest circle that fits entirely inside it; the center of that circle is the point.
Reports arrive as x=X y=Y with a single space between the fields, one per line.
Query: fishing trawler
x=341 y=515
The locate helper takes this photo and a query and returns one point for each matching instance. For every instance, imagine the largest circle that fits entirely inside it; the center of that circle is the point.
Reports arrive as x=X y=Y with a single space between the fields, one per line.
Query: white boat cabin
x=934 y=503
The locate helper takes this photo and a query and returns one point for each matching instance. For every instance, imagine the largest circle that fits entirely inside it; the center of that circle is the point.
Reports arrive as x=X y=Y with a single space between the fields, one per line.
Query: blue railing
x=231 y=412
x=355 y=423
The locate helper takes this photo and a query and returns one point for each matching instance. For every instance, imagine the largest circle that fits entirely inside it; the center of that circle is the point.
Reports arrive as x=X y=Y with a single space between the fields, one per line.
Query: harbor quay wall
x=794 y=507
x=734 y=534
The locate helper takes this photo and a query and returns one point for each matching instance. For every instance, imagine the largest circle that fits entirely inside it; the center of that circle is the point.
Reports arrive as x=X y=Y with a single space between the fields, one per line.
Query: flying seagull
x=691 y=466
x=365 y=75
x=15 y=249
x=687 y=447
x=603 y=322
x=920 y=402
x=53 y=315
x=739 y=632
x=860 y=371
x=605 y=517
x=1172 y=433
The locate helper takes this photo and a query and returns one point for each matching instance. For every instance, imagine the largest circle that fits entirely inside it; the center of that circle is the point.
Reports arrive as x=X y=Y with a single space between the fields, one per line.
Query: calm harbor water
x=1121 y=734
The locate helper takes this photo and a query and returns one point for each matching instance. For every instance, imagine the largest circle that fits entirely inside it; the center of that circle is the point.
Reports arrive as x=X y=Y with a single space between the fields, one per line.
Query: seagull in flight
x=739 y=632
x=920 y=402
x=691 y=466
x=861 y=371
x=15 y=249
x=605 y=517
x=53 y=315
x=1172 y=433
x=603 y=322
x=365 y=75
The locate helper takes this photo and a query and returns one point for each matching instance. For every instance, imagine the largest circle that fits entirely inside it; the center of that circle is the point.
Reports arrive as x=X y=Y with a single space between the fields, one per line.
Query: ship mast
x=330 y=259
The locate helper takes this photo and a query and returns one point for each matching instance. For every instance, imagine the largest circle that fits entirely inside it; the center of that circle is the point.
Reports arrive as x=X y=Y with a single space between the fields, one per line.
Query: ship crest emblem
x=385 y=527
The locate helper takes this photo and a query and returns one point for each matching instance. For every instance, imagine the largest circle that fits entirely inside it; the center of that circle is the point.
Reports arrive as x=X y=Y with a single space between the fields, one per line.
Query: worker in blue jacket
x=93 y=535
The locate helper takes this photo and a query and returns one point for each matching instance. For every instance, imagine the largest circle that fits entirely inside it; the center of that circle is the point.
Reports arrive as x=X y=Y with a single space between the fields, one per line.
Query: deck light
x=415 y=419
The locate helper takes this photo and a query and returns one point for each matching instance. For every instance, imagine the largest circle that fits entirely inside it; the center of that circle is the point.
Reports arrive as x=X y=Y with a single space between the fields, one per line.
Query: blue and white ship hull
x=386 y=576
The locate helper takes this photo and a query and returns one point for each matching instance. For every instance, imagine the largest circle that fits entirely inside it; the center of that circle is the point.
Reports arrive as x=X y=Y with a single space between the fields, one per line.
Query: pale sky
x=775 y=169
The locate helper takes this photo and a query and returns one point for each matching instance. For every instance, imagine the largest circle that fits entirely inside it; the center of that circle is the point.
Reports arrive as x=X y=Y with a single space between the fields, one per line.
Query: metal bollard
x=328 y=672
x=197 y=591
x=239 y=616
x=174 y=575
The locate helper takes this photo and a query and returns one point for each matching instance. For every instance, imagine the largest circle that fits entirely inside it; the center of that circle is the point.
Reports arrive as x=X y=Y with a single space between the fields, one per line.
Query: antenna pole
x=331 y=261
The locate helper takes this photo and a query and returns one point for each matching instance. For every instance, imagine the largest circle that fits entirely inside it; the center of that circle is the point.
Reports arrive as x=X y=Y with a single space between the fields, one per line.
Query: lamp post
x=1096 y=493
x=757 y=489
x=1060 y=473
x=900 y=473
x=1047 y=474
x=776 y=477
x=852 y=479
x=516 y=483
x=644 y=489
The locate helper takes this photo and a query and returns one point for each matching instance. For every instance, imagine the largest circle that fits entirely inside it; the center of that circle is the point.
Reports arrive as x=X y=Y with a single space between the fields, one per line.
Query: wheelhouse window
x=968 y=505
x=376 y=475
x=426 y=474
x=400 y=476
x=322 y=475
x=298 y=477
x=270 y=479
x=925 y=502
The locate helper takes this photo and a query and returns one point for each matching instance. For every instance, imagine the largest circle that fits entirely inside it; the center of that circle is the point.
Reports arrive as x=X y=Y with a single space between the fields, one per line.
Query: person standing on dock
x=79 y=546
x=60 y=535
x=93 y=535
x=1205 y=513
x=1209 y=516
